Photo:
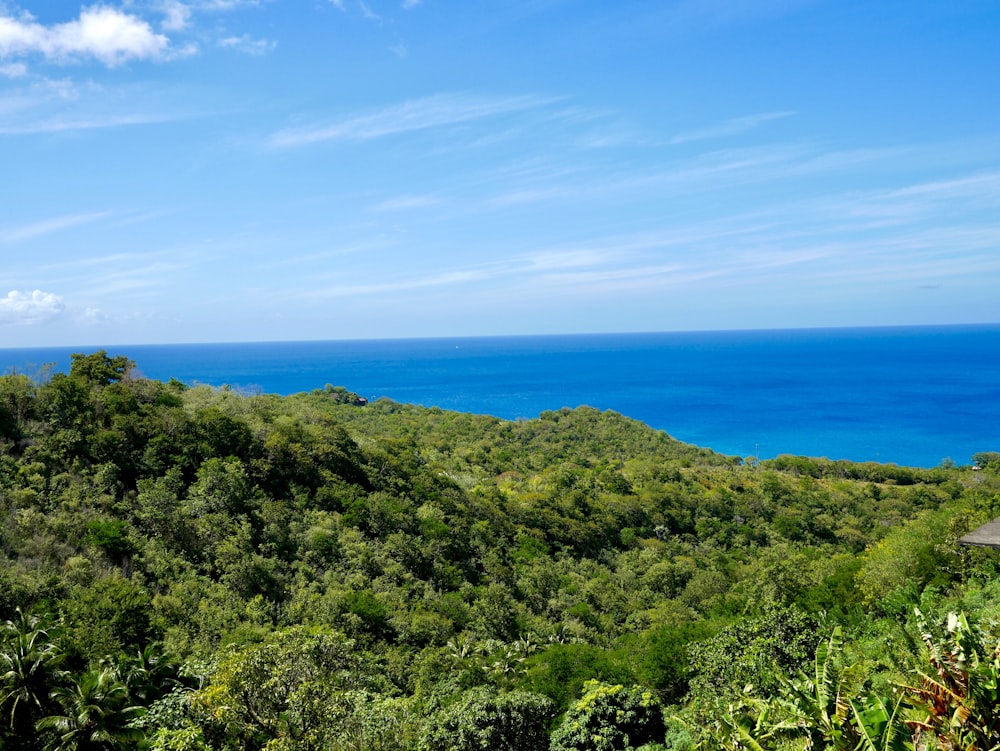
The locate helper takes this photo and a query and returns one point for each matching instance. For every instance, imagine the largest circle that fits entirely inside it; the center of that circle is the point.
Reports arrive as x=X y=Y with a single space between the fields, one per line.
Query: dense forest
x=193 y=568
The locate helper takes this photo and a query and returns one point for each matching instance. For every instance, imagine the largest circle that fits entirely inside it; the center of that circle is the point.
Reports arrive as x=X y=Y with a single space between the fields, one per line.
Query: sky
x=178 y=171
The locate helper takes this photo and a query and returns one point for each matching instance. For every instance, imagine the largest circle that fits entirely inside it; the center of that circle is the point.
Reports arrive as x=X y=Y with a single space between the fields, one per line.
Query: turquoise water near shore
x=909 y=395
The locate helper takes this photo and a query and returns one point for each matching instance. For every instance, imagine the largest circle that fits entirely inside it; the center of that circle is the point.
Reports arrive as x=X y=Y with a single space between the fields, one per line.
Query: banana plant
x=959 y=702
x=879 y=727
x=816 y=702
x=812 y=711
x=749 y=724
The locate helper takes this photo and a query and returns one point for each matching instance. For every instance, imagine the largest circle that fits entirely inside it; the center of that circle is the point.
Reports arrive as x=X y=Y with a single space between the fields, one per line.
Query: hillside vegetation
x=193 y=568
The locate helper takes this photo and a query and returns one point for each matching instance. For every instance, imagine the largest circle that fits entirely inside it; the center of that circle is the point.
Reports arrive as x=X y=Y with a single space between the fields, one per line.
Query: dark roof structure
x=987 y=536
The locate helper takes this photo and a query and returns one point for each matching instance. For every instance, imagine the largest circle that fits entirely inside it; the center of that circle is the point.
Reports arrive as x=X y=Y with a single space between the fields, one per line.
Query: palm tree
x=29 y=670
x=148 y=674
x=97 y=713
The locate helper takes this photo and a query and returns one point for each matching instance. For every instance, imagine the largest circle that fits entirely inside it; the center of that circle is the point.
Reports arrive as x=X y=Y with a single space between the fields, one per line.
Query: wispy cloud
x=248 y=45
x=715 y=170
x=70 y=123
x=983 y=186
x=49 y=226
x=527 y=195
x=368 y=13
x=442 y=279
x=176 y=16
x=810 y=243
x=55 y=106
x=87 y=262
x=418 y=114
x=915 y=204
x=732 y=127
x=224 y=5
x=13 y=70
x=619 y=264
x=93 y=317
x=407 y=203
x=150 y=276
x=102 y=33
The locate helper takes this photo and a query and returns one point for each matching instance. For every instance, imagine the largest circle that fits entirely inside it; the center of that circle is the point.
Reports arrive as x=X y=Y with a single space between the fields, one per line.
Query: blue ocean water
x=913 y=396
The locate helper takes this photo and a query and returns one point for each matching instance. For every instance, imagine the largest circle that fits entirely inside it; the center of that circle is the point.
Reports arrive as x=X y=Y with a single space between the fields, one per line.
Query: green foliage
x=110 y=615
x=910 y=553
x=111 y=536
x=283 y=688
x=486 y=720
x=561 y=670
x=188 y=738
x=752 y=652
x=610 y=717
x=665 y=665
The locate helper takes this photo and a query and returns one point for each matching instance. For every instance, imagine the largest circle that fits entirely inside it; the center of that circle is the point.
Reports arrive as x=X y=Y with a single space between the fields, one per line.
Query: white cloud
x=28 y=308
x=418 y=114
x=338 y=4
x=103 y=33
x=408 y=4
x=248 y=44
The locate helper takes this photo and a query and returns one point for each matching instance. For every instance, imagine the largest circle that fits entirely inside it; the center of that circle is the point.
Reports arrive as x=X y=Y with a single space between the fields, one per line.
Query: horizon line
x=452 y=337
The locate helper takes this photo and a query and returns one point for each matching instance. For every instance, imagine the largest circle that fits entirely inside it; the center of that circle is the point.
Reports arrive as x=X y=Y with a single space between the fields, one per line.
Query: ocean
x=912 y=395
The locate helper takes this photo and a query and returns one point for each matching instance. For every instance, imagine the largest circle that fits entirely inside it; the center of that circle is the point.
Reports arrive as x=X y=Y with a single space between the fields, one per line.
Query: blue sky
x=239 y=170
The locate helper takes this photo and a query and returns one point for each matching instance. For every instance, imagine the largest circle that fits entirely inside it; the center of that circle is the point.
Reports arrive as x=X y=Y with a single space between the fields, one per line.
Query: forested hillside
x=194 y=568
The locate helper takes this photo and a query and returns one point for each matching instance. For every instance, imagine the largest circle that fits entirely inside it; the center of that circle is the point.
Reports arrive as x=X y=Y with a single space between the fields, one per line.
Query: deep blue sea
x=913 y=396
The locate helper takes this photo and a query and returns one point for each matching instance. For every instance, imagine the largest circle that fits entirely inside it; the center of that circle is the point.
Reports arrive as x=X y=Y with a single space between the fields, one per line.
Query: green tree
x=484 y=719
x=17 y=396
x=282 y=688
x=98 y=368
x=610 y=718
x=111 y=615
